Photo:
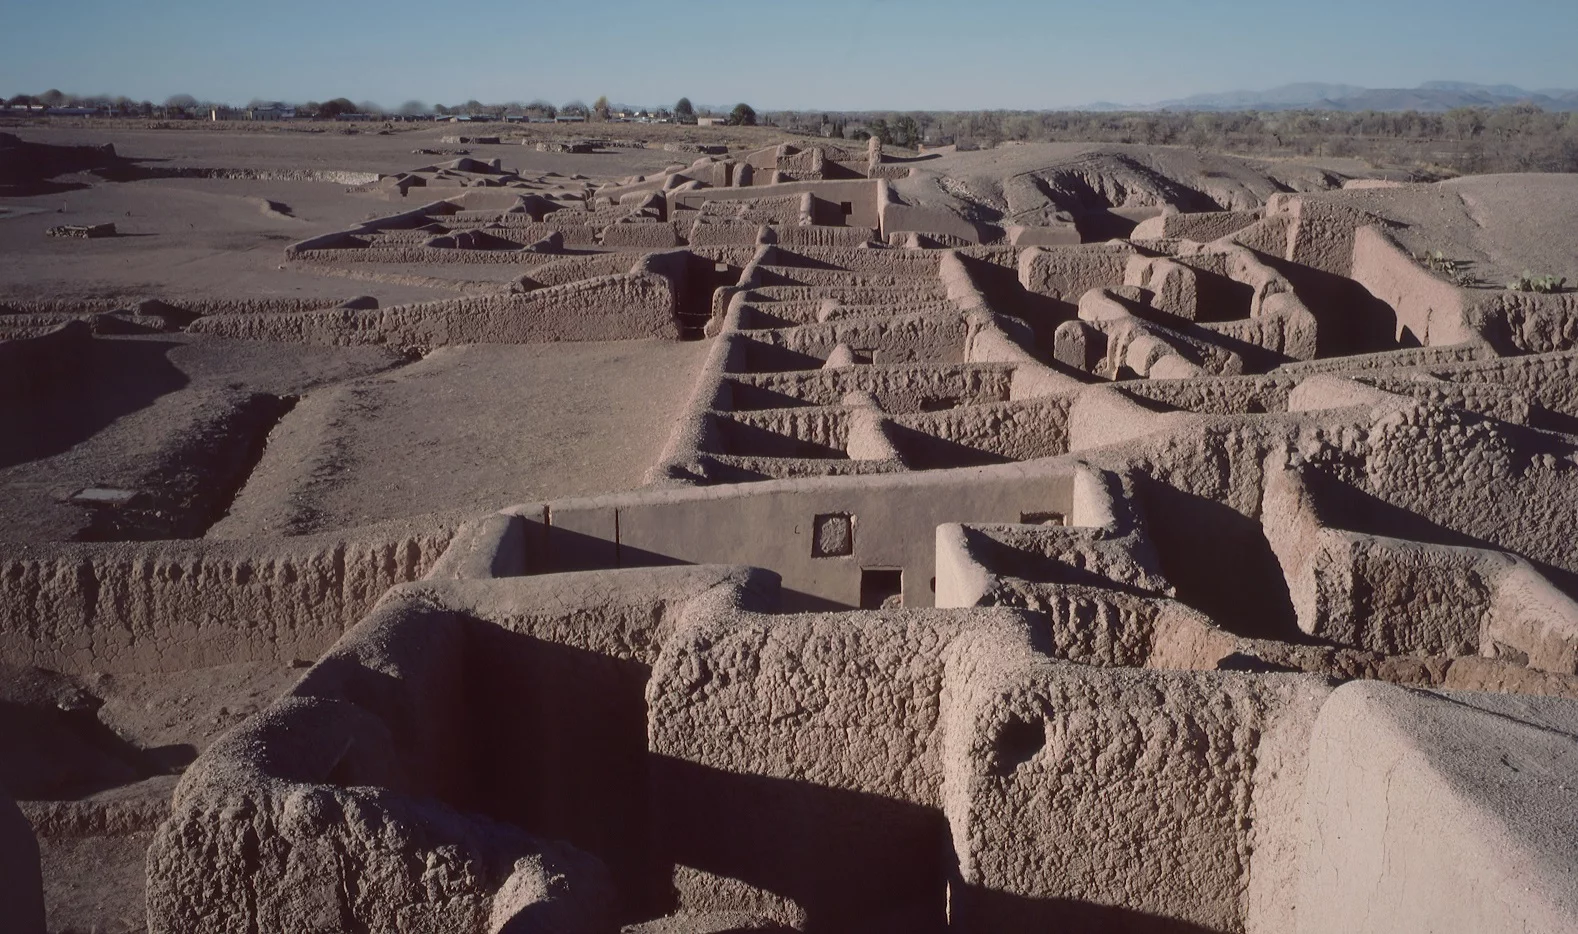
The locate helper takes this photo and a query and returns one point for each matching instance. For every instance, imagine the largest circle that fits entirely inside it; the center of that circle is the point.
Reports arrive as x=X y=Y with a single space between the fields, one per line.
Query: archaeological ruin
x=589 y=537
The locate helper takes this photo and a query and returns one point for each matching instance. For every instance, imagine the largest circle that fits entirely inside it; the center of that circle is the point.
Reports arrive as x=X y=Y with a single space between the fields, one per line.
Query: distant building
x=712 y=121
x=272 y=111
x=570 y=118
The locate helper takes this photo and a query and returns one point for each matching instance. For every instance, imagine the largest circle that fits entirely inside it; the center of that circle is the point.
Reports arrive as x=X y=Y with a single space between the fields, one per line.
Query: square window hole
x=881 y=587
x=846 y=207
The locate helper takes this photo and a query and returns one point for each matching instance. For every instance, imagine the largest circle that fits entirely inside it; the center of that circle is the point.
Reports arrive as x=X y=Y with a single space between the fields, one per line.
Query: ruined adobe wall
x=1066 y=273
x=1412 y=824
x=1528 y=322
x=650 y=235
x=900 y=389
x=1172 y=794
x=1284 y=327
x=1549 y=380
x=898 y=217
x=564 y=270
x=829 y=782
x=1486 y=479
x=348 y=778
x=774 y=524
x=1016 y=431
x=1201 y=227
x=1489 y=399
x=1223 y=395
x=1087 y=623
x=166 y=606
x=936 y=338
x=860 y=261
x=606 y=308
x=1430 y=309
x=814 y=235
x=862 y=196
x=780 y=433
x=1409 y=358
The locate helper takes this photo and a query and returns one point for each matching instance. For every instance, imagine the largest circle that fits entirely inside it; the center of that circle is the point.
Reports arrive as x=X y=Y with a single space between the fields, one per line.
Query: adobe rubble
x=1104 y=543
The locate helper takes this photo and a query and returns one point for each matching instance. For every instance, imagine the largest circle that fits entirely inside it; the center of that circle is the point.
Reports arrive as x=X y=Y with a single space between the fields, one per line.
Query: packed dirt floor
x=741 y=532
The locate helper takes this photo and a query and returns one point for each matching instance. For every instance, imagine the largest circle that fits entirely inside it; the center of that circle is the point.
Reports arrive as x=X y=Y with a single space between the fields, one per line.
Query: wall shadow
x=1220 y=563
x=86 y=387
x=981 y=909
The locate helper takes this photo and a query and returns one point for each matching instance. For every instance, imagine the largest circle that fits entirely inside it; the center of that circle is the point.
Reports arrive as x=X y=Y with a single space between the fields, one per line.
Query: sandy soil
x=510 y=424
x=334 y=149
x=185 y=238
x=143 y=413
x=1501 y=225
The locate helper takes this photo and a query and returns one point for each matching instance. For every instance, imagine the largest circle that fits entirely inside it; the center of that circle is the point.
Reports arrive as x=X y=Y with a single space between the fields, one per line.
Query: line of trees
x=1520 y=137
x=602 y=109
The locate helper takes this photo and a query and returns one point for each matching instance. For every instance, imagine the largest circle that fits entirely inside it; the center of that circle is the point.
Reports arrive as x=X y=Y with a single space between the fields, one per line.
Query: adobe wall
x=345 y=780
x=901 y=218
x=1429 y=309
x=1435 y=811
x=1223 y=395
x=625 y=307
x=816 y=740
x=169 y=606
x=774 y=524
x=1548 y=380
x=861 y=194
x=900 y=389
x=1017 y=431
x=1398 y=597
x=1066 y=273
x=937 y=338
x=1528 y=322
x=1201 y=227
x=1111 y=799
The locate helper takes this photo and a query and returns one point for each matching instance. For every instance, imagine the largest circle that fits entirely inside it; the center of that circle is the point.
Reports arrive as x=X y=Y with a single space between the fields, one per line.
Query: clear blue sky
x=811 y=54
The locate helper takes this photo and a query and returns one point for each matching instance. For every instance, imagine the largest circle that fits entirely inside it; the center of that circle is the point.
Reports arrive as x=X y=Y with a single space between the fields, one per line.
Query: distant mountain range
x=1430 y=96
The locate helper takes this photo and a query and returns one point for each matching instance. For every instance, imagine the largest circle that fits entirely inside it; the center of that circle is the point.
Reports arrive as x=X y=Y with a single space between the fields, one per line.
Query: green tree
x=600 y=107
x=906 y=132
x=684 y=112
x=742 y=115
x=340 y=105
x=412 y=108
x=575 y=109
x=52 y=98
x=181 y=103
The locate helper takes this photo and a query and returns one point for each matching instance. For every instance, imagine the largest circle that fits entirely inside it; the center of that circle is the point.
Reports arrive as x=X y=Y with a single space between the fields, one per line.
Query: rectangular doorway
x=881 y=587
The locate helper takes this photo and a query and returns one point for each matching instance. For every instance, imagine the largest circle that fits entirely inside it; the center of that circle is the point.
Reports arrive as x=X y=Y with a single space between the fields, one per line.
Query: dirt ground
x=148 y=414
x=509 y=424
x=190 y=238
